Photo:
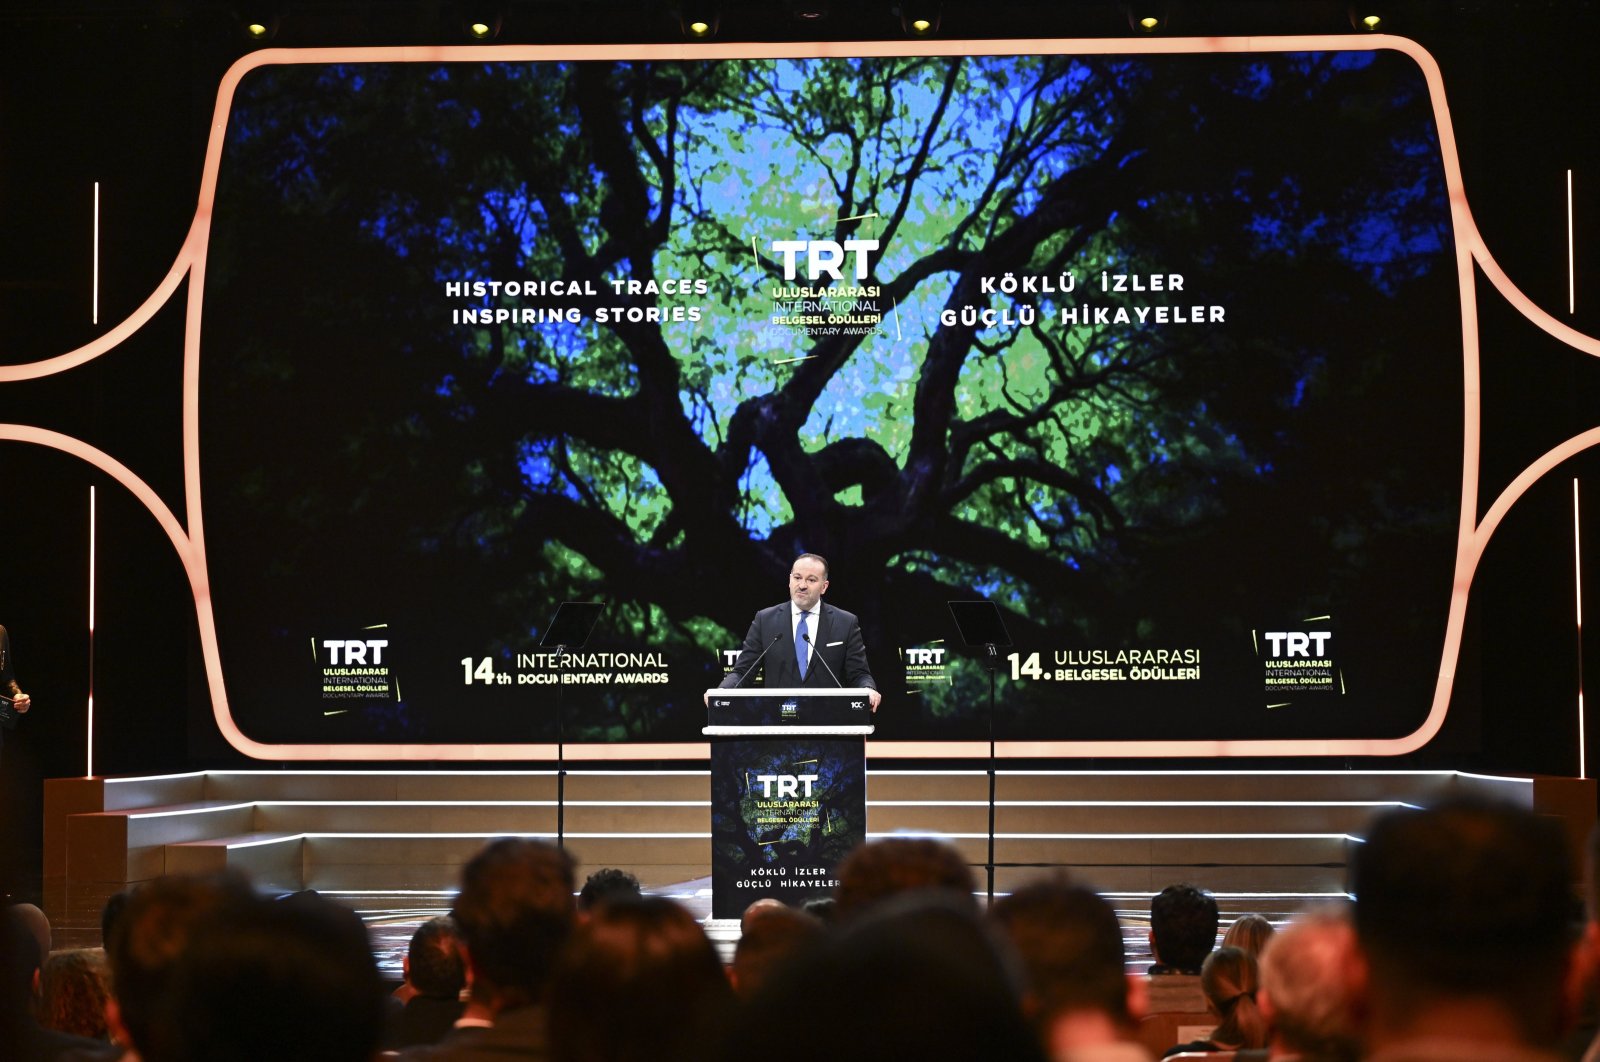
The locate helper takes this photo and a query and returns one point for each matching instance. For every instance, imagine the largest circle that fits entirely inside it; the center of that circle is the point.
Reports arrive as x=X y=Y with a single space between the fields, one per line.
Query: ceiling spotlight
x=699 y=22
x=259 y=26
x=1149 y=16
x=808 y=10
x=1372 y=16
x=919 y=19
x=481 y=24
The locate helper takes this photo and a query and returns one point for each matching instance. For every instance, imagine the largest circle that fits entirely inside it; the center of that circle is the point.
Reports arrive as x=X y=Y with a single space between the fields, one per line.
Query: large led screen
x=1161 y=353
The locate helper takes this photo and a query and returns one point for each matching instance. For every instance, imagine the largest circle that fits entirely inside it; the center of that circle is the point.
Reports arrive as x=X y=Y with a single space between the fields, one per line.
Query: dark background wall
x=122 y=95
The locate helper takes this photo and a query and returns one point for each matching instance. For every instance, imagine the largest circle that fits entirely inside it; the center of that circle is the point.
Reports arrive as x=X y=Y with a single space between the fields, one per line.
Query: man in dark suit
x=515 y=913
x=806 y=643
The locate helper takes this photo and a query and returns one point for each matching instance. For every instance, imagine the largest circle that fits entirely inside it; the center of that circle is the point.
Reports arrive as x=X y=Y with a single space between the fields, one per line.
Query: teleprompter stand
x=569 y=629
x=982 y=627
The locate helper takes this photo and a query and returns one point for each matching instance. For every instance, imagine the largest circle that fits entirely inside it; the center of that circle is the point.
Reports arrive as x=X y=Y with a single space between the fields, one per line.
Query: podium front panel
x=785 y=811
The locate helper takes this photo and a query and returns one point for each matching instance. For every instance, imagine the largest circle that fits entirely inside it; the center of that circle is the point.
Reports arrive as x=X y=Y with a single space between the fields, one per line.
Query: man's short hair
x=918 y=977
x=265 y=980
x=770 y=942
x=151 y=935
x=819 y=558
x=19 y=961
x=1070 y=944
x=1183 y=924
x=607 y=884
x=638 y=980
x=1467 y=898
x=1303 y=975
x=878 y=870
x=436 y=967
x=515 y=911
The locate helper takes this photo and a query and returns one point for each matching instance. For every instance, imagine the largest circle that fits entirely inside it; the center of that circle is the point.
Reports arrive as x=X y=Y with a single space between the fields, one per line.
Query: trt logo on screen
x=352 y=652
x=824 y=257
x=1303 y=644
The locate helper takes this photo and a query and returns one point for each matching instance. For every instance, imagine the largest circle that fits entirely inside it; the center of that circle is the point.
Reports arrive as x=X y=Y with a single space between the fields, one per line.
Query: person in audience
x=1586 y=956
x=638 y=983
x=877 y=870
x=1462 y=934
x=38 y=924
x=115 y=904
x=759 y=908
x=604 y=885
x=153 y=931
x=428 y=1002
x=769 y=941
x=72 y=993
x=824 y=909
x=1305 y=990
x=515 y=912
x=22 y=1039
x=1083 y=1005
x=269 y=980
x=1183 y=929
x=1248 y=933
x=917 y=977
x=1230 y=980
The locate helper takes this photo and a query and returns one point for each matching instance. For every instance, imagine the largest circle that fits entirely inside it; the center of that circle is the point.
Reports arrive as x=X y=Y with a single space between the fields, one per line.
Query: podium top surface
x=788 y=691
x=788 y=708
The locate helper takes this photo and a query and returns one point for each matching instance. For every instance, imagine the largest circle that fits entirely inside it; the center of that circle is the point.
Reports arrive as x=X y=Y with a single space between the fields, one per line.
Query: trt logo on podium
x=788 y=786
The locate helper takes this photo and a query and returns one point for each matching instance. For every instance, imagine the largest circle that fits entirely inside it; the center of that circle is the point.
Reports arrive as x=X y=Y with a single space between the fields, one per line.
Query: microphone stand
x=561 y=754
x=757 y=662
x=991 y=661
x=819 y=656
x=570 y=628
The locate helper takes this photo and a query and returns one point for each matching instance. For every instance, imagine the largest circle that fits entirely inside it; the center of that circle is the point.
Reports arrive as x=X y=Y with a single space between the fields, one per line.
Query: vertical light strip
x=95 y=283
x=1572 y=271
x=88 y=767
x=1577 y=582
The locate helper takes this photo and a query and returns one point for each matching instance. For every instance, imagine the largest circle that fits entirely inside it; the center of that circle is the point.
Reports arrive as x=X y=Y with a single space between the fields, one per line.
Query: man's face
x=807 y=583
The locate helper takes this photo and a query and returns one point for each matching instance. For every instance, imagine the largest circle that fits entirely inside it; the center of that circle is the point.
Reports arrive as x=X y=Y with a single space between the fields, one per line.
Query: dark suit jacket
x=516 y=1034
x=835 y=637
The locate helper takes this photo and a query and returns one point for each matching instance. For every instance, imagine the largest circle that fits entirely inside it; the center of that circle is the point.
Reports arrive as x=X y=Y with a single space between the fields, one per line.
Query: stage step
x=399 y=831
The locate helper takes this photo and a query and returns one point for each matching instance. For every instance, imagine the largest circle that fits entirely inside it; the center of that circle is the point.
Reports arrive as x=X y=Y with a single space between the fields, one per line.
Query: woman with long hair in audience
x=639 y=980
x=1230 y=981
x=1248 y=933
x=73 y=993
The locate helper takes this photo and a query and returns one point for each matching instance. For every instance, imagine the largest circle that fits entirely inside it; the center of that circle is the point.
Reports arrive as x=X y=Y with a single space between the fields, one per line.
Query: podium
x=788 y=791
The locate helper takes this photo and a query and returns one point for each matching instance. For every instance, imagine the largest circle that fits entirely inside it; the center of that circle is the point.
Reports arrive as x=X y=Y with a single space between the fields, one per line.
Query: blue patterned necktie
x=800 y=644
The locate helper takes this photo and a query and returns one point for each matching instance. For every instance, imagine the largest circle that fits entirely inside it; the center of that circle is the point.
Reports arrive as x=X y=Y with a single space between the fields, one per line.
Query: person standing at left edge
x=806 y=642
x=20 y=702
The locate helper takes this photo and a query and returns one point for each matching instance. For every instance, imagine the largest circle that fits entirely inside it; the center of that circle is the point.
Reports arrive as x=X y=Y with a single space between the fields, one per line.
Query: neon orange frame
x=189 y=542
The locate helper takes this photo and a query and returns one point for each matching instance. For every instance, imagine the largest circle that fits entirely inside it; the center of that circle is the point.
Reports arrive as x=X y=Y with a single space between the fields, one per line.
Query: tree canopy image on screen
x=1162 y=354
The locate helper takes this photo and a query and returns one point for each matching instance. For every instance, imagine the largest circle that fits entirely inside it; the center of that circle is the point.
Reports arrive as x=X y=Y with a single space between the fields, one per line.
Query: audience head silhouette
x=878 y=870
x=1183 y=928
x=515 y=912
x=1462 y=918
x=639 y=981
x=266 y=980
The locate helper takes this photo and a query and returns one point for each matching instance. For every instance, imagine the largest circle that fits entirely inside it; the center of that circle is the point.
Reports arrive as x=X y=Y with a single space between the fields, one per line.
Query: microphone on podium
x=817 y=653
